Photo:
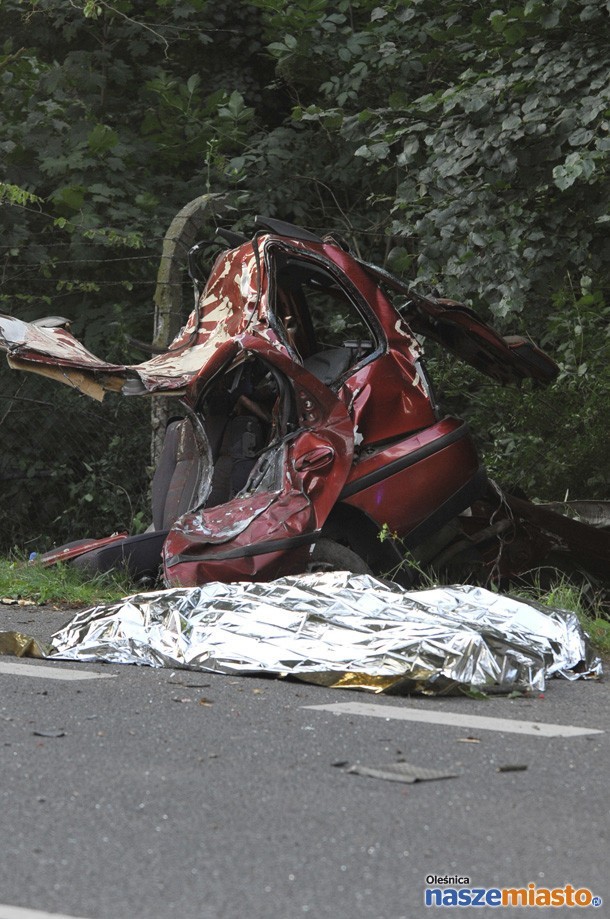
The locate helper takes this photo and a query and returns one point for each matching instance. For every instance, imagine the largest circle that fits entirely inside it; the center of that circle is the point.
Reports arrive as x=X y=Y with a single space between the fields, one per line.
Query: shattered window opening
x=319 y=320
x=245 y=413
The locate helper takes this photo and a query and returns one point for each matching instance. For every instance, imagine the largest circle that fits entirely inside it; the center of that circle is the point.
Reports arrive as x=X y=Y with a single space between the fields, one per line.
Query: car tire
x=329 y=555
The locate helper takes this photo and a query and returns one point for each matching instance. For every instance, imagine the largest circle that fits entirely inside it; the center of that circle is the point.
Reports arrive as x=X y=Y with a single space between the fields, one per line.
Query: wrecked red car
x=306 y=418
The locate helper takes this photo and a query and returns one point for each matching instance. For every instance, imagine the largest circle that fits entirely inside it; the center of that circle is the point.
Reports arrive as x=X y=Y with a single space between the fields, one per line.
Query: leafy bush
x=69 y=468
x=551 y=442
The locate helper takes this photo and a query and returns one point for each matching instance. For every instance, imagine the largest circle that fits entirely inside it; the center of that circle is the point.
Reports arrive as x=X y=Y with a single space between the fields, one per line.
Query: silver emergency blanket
x=341 y=630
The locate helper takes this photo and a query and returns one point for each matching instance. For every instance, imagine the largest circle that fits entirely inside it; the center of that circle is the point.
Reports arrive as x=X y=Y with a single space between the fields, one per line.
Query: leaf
x=375 y=151
x=193 y=83
x=474 y=693
x=497 y=18
x=580 y=137
x=71 y=196
x=102 y=138
x=400 y=261
x=513 y=121
x=398 y=99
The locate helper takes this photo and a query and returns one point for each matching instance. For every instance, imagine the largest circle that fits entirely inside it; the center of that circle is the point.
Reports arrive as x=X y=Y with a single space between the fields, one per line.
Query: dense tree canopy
x=464 y=144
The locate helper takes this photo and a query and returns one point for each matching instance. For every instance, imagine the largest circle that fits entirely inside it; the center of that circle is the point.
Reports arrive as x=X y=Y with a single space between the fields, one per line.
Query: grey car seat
x=236 y=443
x=173 y=493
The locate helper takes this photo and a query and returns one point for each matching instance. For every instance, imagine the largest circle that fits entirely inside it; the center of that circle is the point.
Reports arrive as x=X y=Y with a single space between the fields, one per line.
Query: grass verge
x=61 y=585
x=590 y=605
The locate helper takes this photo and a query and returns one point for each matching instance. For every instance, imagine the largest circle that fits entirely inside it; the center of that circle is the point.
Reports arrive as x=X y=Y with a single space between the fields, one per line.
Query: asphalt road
x=151 y=793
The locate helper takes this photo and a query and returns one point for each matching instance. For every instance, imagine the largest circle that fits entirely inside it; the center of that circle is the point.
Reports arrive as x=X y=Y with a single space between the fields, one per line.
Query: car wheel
x=329 y=555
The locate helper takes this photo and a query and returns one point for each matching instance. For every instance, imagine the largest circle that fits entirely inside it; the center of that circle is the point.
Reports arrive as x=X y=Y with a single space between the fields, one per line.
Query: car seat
x=173 y=492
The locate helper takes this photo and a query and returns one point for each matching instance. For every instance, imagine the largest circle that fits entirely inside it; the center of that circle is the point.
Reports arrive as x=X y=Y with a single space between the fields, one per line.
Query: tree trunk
x=184 y=230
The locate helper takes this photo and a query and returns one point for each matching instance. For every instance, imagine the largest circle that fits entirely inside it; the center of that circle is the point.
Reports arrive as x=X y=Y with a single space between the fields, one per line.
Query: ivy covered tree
x=468 y=145
x=113 y=117
x=485 y=133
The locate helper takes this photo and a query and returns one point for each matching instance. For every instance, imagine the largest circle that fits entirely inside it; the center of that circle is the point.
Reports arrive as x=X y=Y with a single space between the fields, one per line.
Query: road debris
x=402 y=772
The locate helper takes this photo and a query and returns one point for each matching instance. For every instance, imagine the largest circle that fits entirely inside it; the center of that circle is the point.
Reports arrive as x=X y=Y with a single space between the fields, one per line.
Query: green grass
x=60 y=584
x=599 y=630
x=590 y=605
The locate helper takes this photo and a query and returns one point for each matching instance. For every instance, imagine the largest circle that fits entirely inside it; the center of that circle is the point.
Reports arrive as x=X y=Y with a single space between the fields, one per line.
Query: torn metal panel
x=338 y=630
x=73 y=550
x=506 y=359
x=297 y=481
x=594 y=513
x=227 y=306
x=53 y=352
x=504 y=538
x=77 y=379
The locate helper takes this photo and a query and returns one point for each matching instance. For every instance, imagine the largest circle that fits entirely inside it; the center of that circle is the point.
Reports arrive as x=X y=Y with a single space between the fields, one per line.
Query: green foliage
x=408 y=565
x=599 y=631
x=551 y=443
x=487 y=133
x=80 y=468
x=112 y=120
x=15 y=195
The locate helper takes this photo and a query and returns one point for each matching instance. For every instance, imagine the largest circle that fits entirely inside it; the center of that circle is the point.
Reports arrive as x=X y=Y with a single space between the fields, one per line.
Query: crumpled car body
x=307 y=420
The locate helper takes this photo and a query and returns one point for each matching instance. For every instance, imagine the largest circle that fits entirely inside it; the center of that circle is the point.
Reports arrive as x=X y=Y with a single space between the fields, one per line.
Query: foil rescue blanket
x=341 y=630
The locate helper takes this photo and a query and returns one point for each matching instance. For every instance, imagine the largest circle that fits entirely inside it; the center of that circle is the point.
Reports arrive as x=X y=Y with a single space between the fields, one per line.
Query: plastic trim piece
x=384 y=472
x=259 y=548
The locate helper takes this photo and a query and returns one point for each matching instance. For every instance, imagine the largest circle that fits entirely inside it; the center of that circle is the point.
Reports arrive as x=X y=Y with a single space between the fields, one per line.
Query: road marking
x=50 y=672
x=20 y=912
x=477 y=722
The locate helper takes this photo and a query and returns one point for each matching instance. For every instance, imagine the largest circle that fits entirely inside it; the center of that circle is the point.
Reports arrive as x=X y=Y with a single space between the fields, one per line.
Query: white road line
x=476 y=722
x=50 y=672
x=20 y=912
